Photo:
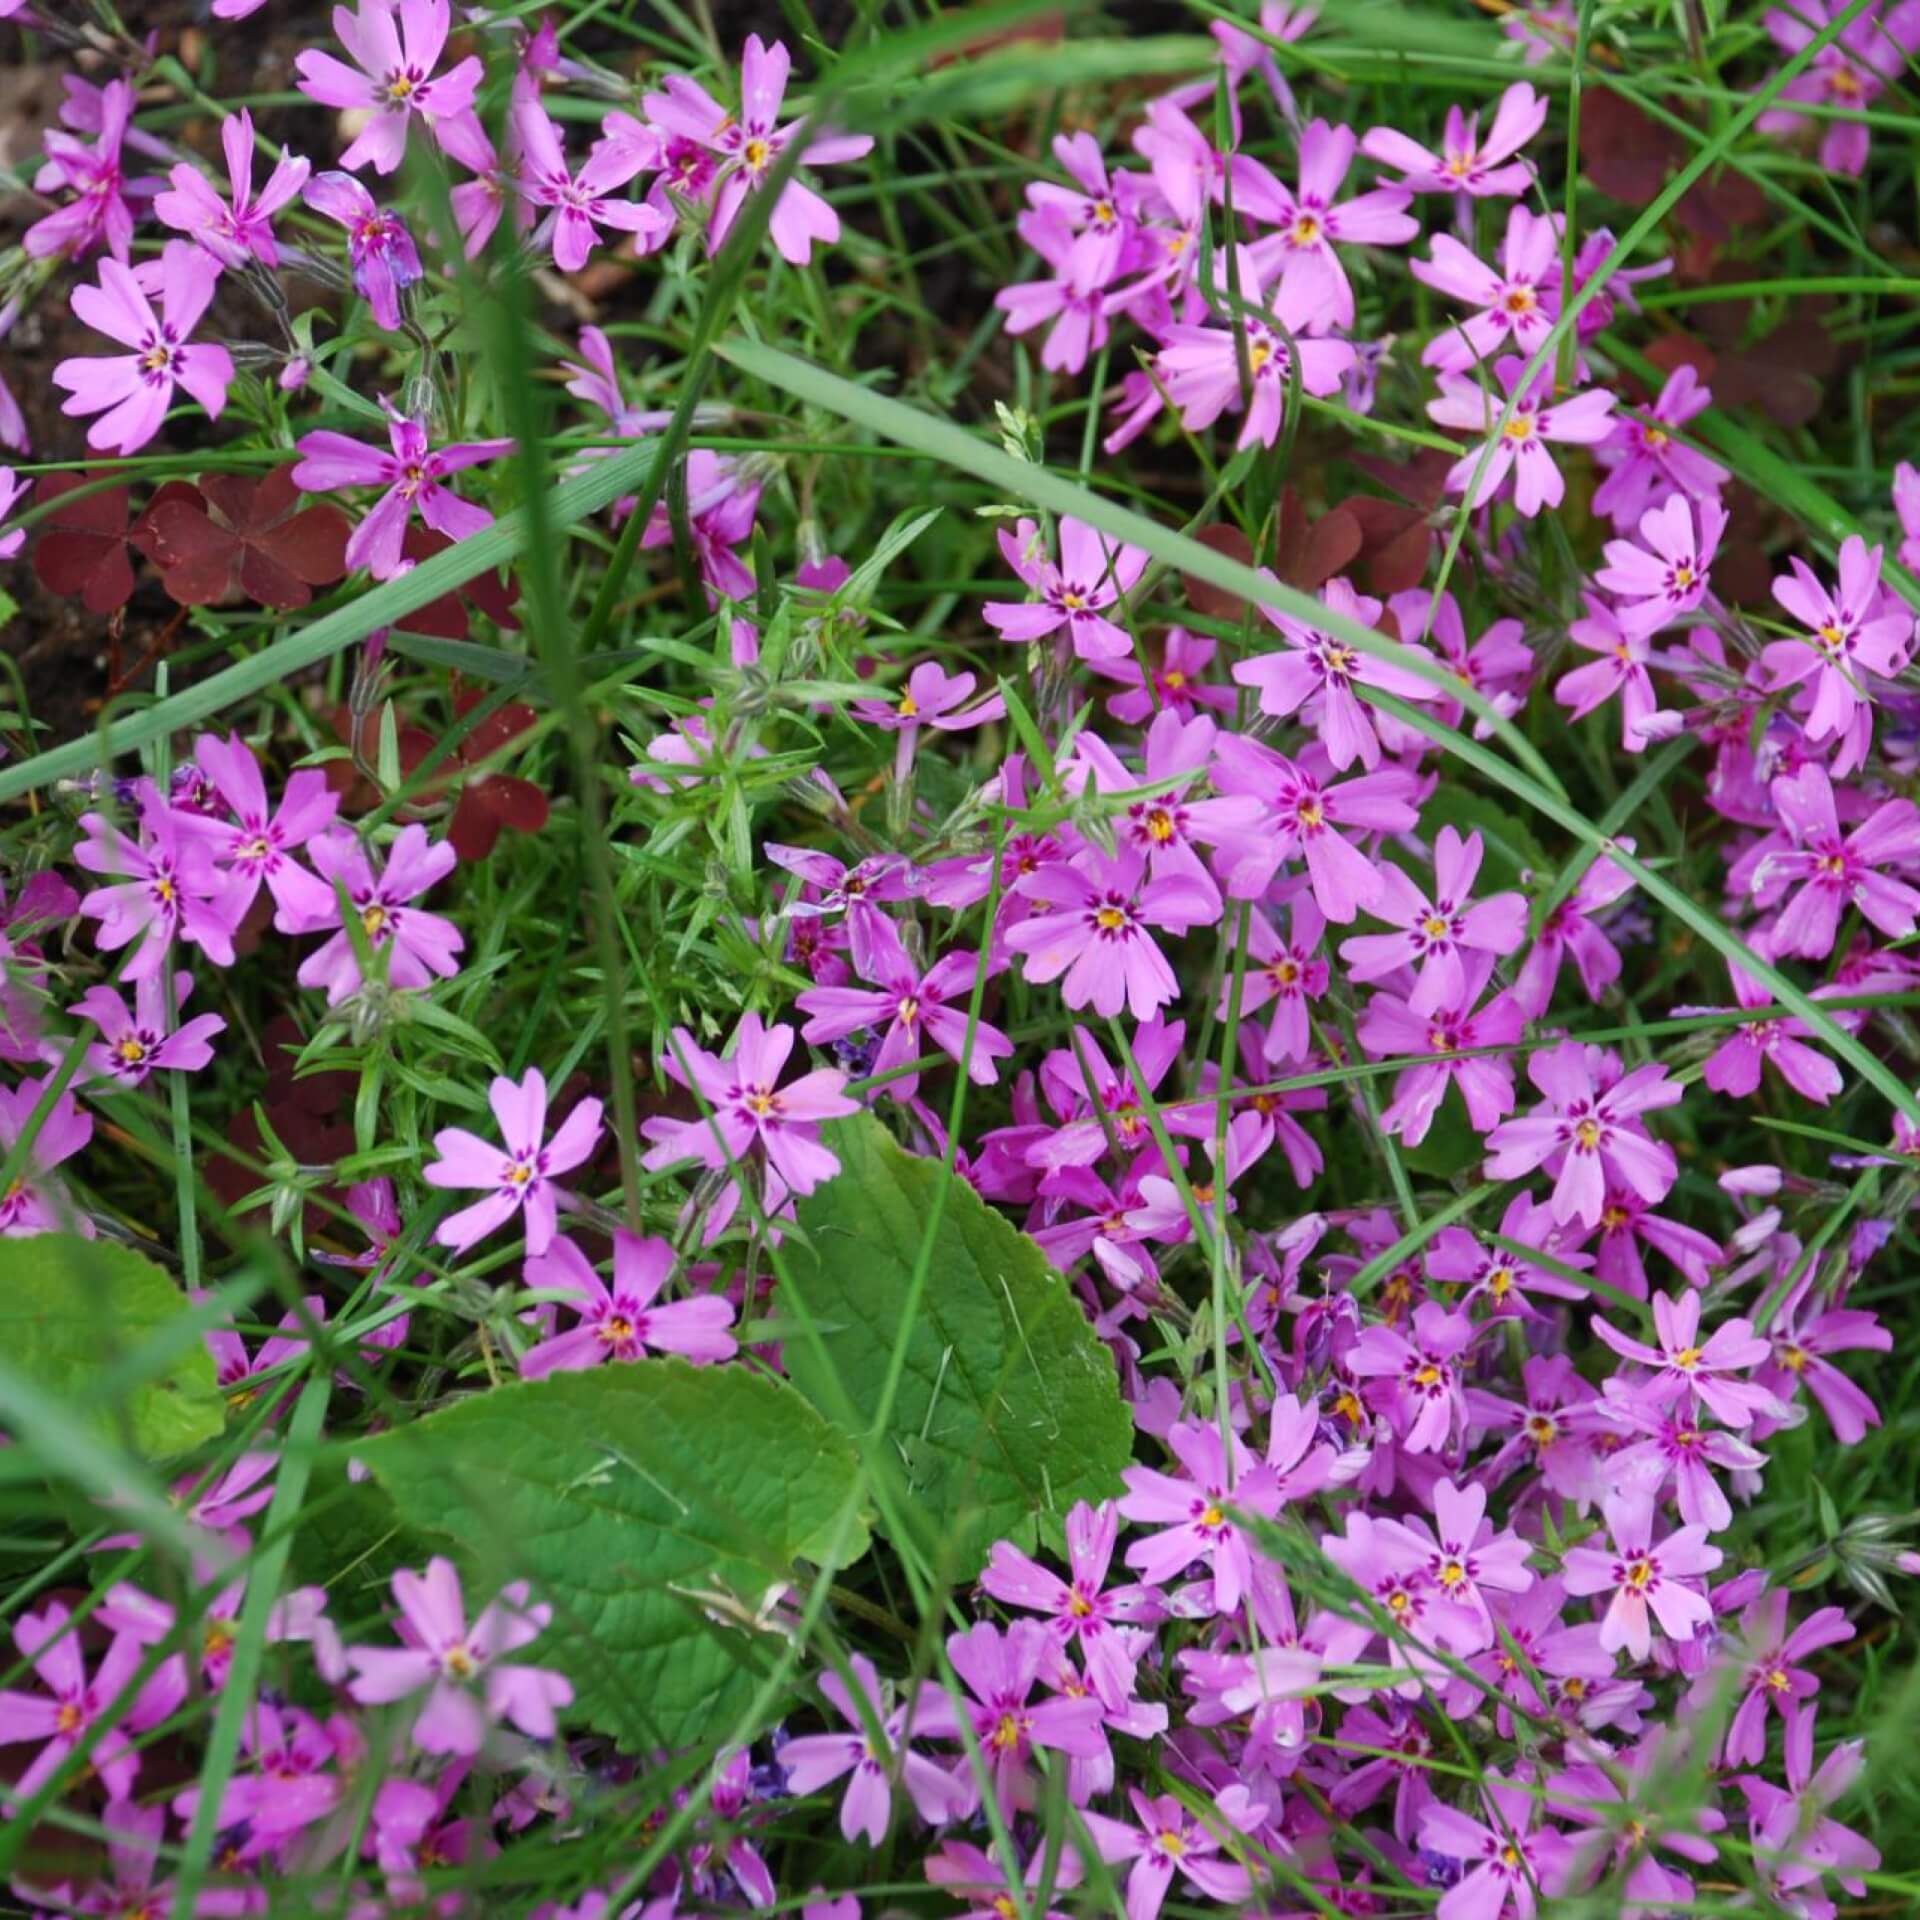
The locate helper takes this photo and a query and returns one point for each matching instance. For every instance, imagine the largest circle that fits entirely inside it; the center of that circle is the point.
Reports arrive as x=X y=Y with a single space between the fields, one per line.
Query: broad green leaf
x=1008 y=1405
x=639 y=1500
x=96 y=1324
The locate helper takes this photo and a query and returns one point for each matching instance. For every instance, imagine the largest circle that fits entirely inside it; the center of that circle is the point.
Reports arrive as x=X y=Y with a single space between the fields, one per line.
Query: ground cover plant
x=959 y=961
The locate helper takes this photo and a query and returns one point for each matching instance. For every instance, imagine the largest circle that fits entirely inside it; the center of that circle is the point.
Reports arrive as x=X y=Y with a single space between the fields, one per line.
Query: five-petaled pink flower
x=518 y=1174
x=132 y=391
x=748 y=1107
x=750 y=143
x=1517 y=426
x=419 y=945
x=1646 y=1580
x=396 y=44
x=240 y=229
x=413 y=474
x=468 y=1682
x=579 y=205
x=625 y=1321
x=1834 y=871
x=1094 y=574
x=1849 y=635
x=1467 y=164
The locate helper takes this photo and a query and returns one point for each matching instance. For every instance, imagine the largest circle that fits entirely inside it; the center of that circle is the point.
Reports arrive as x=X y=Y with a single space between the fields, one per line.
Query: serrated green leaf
x=636 y=1499
x=75 y=1311
x=1008 y=1404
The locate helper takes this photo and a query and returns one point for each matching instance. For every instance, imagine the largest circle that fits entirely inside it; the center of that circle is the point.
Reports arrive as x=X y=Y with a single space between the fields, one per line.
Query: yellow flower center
x=1160 y=825
x=1687 y=1358
x=1587 y=1135
x=131 y=1051
x=1213 y=1517
x=616 y=1330
x=374 y=920
x=1519 y=428
x=909 y=706
x=757 y=153
x=1110 y=919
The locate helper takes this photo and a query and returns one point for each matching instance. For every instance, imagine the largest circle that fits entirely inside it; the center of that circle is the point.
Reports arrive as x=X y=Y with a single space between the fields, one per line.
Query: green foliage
x=640 y=1500
x=107 y=1329
x=1007 y=1404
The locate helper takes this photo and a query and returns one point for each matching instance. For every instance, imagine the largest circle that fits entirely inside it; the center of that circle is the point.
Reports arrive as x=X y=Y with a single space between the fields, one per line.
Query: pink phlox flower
x=1502 y=1276
x=1200 y=366
x=750 y=142
x=33 y=1203
x=1906 y=503
x=1543 y=1649
x=749 y=1109
x=1169 y=1842
x=255 y=845
x=1670 y=1443
x=1515 y=304
x=102 y=211
x=1093 y=574
x=418 y=946
x=1848 y=637
x=1094 y=1101
x=627 y=1320
x=1615 y=294
x=469 y=1682
x=395 y=44
x=932 y=697
x=999 y=1671
x=1626 y=1827
x=1646 y=461
x=855 y=894
x=721 y=503
x=1397 y=1588
x=131 y=392
x=1623 y=670
x=1591 y=1129
x=372 y=1205
x=1175 y=684
x=1453 y=1027
x=293 y=1783
x=1835 y=872
x=13 y=490
x=1464 y=1558
x=1436 y=935
x=812 y=1761
x=1800 y=1346
x=1272 y=1689
x=1507 y=1860
x=1083 y=1611
x=1071 y=302
x=1795 y=1839
x=480 y=203
x=1307 y=821
x=1467 y=164
x=1399 y=1753
x=1667 y=576
x=1311 y=223
x=162 y=885
x=915 y=1005
x=1194 y=1511
x=1848 y=74
x=1519 y=449
x=1288 y=973
x=1264 y=1120
x=1327 y=676
x=1090 y=208
x=239 y=228
x=1569 y=931
x=596 y=381
x=978 y=1881
x=43 y=902
x=1735 y=1064
x=1166 y=827
x=74 y=1701
x=1625 y=1222
x=1416 y=1380
x=414 y=474
x=578 y=205
x=518 y=1174
x=1772 y=1676
x=138 y=1041
x=245 y=1375
x=380 y=251
x=1091 y=921
x=1497 y=666
x=1107 y=1225
x=1646 y=1581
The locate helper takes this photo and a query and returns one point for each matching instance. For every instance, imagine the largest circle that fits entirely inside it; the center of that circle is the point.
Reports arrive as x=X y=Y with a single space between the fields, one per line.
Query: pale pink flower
x=1667 y=576
x=469 y=1683
x=135 y=1043
x=238 y=229
x=1849 y=635
x=1516 y=306
x=33 y=1204
x=396 y=44
x=131 y=392
x=519 y=1174
x=579 y=205
x=413 y=475
x=1466 y=164
x=161 y=885
x=1519 y=448
x=1647 y=1581
x=1094 y=573
x=420 y=945
x=627 y=1320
